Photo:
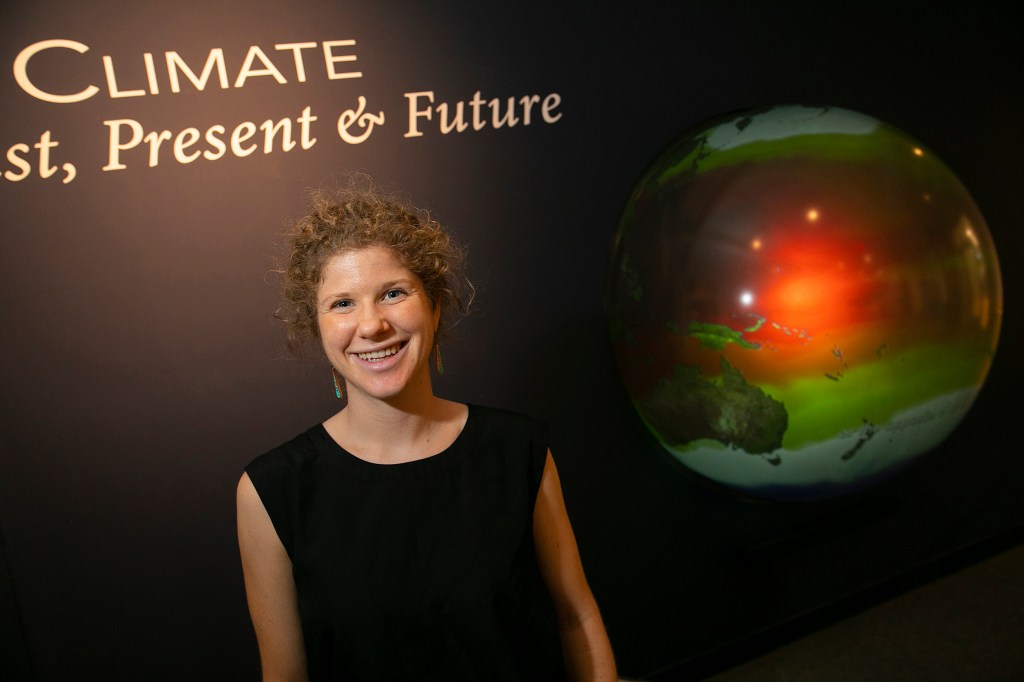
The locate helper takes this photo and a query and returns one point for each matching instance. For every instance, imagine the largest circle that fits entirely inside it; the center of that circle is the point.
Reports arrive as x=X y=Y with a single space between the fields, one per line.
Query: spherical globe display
x=802 y=300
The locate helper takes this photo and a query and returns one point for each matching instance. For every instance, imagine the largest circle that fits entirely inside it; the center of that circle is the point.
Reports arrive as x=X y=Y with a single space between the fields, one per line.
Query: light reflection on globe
x=802 y=300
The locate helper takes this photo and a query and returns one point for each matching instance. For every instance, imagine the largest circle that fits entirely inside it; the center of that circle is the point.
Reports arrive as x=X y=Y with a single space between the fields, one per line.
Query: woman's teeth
x=378 y=354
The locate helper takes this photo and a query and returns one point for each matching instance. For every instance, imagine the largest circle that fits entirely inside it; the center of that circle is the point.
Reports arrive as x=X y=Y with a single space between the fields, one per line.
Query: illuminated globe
x=802 y=300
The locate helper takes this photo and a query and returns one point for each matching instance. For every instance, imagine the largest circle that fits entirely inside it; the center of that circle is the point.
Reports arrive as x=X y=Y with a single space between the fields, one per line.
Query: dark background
x=142 y=368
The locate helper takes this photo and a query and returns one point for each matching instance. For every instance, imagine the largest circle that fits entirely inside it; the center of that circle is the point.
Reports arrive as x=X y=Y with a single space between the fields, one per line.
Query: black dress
x=417 y=571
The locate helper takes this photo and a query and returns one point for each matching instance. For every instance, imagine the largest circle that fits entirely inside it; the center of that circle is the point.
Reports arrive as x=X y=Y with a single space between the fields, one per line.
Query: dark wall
x=142 y=367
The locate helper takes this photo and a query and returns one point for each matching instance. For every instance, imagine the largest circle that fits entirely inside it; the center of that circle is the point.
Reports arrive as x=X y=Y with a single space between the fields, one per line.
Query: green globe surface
x=802 y=300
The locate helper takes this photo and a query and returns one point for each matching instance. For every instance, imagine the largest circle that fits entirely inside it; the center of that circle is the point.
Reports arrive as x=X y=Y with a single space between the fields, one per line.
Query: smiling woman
x=407 y=537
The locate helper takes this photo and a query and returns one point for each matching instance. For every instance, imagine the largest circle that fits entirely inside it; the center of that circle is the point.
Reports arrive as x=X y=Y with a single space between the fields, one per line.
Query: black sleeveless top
x=417 y=571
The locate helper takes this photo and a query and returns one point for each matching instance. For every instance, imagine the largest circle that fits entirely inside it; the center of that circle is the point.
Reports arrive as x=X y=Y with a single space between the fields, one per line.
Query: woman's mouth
x=379 y=354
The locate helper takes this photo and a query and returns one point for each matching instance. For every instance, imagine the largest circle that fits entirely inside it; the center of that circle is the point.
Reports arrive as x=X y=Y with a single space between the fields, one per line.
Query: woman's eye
x=393 y=294
x=344 y=303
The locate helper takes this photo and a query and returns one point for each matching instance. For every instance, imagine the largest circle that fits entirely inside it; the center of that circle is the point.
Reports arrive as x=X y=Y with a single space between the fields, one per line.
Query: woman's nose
x=372 y=322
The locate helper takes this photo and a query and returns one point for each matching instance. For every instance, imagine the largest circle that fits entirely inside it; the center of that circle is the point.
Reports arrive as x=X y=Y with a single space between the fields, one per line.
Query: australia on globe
x=802 y=300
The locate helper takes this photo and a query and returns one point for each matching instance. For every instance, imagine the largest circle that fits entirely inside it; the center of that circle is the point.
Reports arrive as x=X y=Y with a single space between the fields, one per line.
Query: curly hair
x=358 y=217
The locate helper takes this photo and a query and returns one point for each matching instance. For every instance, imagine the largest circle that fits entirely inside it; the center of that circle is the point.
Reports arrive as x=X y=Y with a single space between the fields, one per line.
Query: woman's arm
x=270 y=590
x=585 y=645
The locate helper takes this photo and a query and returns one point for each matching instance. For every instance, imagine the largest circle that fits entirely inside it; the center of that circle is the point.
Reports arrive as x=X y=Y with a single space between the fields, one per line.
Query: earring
x=437 y=358
x=337 y=384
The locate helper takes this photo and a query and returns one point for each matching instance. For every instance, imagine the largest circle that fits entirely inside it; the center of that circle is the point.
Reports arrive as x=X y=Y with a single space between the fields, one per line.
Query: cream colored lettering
x=330 y=59
x=268 y=68
x=548 y=106
x=296 y=48
x=117 y=144
x=458 y=123
x=476 y=103
x=21 y=71
x=155 y=140
x=124 y=80
x=154 y=88
x=504 y=112
x=357 y=118
x=18 y=156
x=214 y=61
x=18 y=162
x=416 y=113
x=499 y=120
x=212 y=137
x=185 y=139
x=45 y=145
x=527 y=102
x=108 y=69
x=270 y=129
x=242 y=133
x=127 y=136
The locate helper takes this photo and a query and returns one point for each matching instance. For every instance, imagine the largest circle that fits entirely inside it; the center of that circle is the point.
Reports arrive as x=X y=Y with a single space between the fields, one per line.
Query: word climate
x=290 y=59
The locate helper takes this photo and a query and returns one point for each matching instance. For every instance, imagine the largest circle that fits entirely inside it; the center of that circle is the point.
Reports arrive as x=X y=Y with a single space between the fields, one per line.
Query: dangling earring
x=437 y=358
x=337 y=384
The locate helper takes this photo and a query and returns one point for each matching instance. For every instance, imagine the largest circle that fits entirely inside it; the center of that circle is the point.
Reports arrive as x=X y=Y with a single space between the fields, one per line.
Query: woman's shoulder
x=290 y=454
x=513 y=441
x=500 y=417
x=508 y=425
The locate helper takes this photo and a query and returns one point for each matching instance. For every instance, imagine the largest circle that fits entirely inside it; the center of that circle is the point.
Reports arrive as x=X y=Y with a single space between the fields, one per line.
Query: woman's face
x=376 y=322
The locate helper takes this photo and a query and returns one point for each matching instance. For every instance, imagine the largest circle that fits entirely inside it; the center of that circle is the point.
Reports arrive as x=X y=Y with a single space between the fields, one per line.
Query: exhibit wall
x=153 y=155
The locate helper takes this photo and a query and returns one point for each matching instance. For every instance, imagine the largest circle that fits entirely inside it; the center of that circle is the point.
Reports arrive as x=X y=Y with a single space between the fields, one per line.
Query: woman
x=408 y=536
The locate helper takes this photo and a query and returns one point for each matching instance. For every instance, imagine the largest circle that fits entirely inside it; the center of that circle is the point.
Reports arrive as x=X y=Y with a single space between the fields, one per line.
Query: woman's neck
x=397 y=430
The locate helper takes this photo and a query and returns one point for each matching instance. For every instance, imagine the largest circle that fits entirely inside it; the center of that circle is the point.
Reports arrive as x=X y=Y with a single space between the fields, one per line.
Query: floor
x=960 y=621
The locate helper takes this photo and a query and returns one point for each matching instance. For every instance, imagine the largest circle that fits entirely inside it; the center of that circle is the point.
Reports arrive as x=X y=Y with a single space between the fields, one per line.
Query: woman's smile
x=379 y=354
x=381 y=359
